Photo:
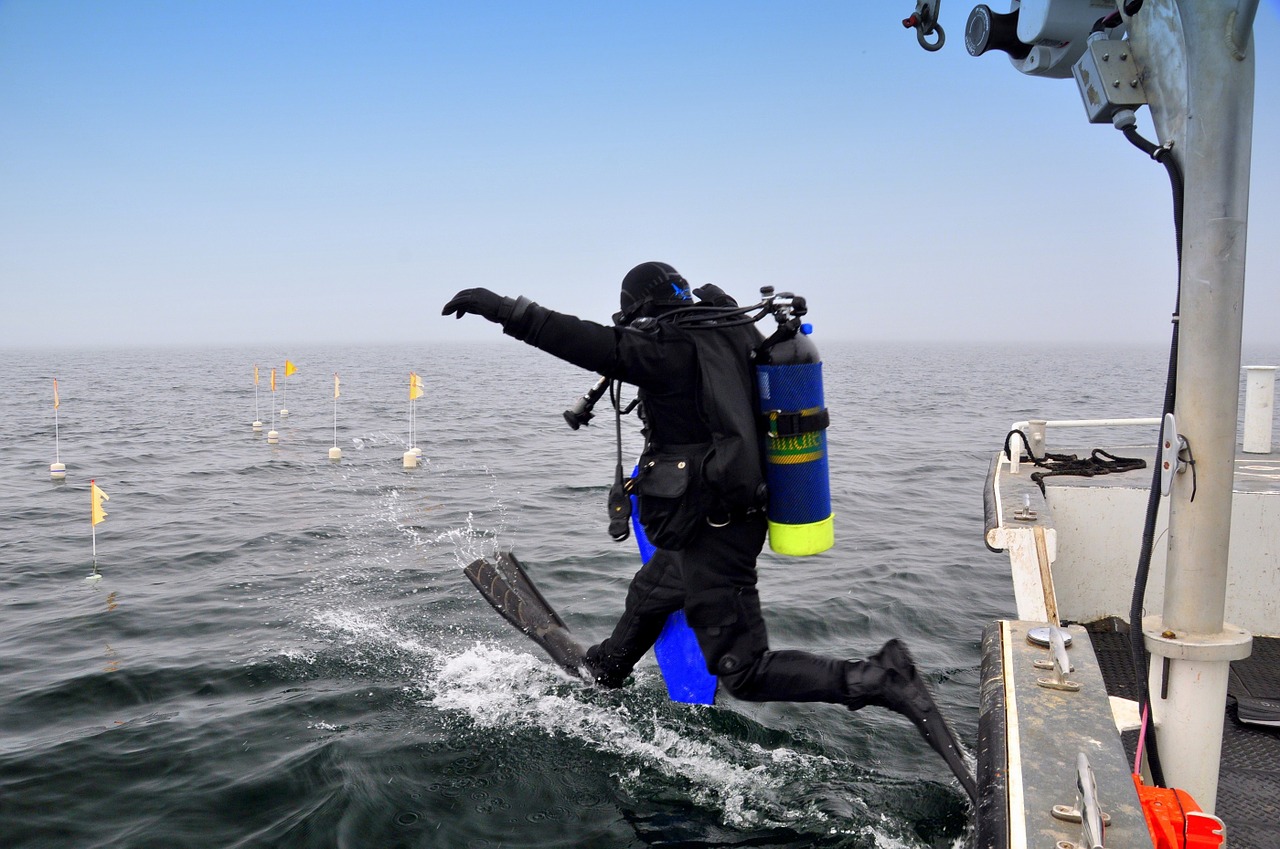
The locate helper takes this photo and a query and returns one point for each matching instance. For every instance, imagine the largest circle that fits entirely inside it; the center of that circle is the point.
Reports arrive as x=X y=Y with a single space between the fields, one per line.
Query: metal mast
x=1198 y=70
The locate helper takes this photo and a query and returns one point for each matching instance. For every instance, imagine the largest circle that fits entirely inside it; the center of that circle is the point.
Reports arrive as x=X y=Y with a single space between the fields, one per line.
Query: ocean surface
x=282 y=651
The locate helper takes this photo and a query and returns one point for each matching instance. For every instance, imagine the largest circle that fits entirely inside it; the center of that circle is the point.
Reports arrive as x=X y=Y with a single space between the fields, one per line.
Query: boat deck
x=1082 y=535
x=1249 y=780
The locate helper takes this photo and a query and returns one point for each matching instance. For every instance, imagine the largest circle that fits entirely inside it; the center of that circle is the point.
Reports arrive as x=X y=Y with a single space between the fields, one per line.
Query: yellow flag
x=55 y=393
x=255 y=374
x=336 y=383
x=289 y=368
x=96 y=497
x=415 y=386
x=273 y=380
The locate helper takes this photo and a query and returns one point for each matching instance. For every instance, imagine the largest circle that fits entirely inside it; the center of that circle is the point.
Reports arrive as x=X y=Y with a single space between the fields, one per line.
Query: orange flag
x=55 y=393
x=289 y=368
x=335 y=384
x=255 y=374
x=273 y=380
x=415 y=386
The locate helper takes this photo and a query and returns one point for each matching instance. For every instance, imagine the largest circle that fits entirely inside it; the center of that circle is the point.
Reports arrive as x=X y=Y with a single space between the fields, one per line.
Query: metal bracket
x=925 y=22
x=1066 y=813
x=1108 y=79
x=1025 y=514
x=1087 y=812
x=1171 y=459
x=1060 y=664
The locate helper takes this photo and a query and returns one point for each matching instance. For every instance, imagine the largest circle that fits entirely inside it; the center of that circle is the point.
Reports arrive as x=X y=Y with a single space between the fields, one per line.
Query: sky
x=244 y=172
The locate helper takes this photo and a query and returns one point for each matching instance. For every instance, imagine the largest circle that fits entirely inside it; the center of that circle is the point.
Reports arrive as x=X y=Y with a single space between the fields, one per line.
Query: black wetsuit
x=713 y=574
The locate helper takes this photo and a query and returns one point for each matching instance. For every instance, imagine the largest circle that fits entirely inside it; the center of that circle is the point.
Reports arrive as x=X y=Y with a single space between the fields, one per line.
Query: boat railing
x=1259 y=403
x=1035 y=430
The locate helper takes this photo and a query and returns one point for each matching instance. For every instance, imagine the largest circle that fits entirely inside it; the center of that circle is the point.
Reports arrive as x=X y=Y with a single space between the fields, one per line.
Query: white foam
x=368 y=629
x=496 y=688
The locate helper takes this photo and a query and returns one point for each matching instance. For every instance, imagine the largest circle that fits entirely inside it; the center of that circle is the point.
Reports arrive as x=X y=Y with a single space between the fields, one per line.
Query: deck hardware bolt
x=1026 y=514
x=1066 y=813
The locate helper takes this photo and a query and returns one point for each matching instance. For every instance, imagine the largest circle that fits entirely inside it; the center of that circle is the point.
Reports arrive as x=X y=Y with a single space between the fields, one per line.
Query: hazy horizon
x=292 y=174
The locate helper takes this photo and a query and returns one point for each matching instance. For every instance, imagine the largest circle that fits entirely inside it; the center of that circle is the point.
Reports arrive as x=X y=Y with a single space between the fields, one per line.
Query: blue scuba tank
x=794 y=430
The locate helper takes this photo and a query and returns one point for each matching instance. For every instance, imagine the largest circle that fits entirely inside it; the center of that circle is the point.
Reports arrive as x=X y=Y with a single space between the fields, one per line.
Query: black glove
x=480 y=302
x=712 y=294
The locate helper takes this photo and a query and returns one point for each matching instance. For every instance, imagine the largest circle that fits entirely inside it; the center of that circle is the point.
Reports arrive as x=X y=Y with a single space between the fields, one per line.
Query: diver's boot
x=889 y=679
x=597 y=669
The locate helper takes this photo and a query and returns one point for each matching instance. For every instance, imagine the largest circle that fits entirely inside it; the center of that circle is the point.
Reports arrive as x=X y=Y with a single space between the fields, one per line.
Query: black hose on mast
x=1126 y=123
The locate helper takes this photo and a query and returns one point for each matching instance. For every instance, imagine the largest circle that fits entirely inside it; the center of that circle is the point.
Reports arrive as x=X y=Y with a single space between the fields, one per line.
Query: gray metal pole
x=1215 y=153
x=1201 y=93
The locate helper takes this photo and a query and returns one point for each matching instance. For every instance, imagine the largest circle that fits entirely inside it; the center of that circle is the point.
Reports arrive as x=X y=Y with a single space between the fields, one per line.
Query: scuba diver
x=701 y=493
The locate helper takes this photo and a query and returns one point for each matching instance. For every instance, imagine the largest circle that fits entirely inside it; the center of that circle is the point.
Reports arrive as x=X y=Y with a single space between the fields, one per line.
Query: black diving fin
x=507 y=587
x=890 y=678
x=938 y=734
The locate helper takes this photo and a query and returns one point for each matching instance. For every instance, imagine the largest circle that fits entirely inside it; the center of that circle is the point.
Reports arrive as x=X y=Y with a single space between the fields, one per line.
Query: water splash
x=748 y=785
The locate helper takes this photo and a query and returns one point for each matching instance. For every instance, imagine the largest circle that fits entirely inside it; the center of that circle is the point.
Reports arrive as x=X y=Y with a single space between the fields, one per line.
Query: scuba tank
x=793 y=425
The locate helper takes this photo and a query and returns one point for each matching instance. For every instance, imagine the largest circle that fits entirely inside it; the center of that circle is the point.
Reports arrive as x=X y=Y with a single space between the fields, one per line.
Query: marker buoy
x=272 y=437
x=284 y=412
x=335 y=453
x=257 y=427
x=410 y=459
x=58 y=471
x=417 y=452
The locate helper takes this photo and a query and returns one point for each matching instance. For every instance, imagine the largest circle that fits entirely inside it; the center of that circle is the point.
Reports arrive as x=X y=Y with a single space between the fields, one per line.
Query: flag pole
x=411 y=456
x=96 y=515
x=289 y=368
x=335 y=453
x=257 y=418
x=415 y=392
x=273 y=435
x=57 y=471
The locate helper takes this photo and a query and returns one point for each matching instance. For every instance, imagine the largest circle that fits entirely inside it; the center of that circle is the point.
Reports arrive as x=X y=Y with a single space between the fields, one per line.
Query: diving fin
x=889 y=678
x=507 y=587
x=938 y=734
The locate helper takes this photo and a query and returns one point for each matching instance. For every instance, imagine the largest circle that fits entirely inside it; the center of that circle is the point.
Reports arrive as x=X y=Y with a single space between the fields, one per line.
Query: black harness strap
x=779 y=423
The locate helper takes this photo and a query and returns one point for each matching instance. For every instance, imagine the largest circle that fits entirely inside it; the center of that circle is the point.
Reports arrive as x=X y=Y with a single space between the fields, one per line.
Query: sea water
x=282 y=650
